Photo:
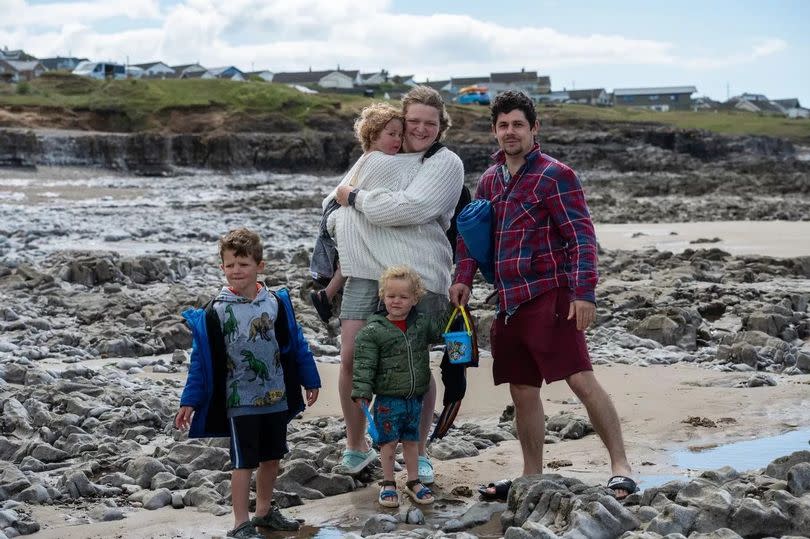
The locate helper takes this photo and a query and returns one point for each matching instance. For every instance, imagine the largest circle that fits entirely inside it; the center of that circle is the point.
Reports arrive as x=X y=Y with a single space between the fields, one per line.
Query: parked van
x=101 y=70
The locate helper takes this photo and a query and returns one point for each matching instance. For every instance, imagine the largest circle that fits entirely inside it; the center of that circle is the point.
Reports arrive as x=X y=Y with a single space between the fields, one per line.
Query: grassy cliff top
x=146 y=103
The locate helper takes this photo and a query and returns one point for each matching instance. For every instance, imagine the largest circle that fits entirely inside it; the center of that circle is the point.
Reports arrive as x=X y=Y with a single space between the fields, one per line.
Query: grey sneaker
x=275 y=520
x=246 y=530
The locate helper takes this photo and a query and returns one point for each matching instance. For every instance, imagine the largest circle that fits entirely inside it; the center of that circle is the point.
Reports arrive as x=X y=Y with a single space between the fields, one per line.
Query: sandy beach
x=653 y=403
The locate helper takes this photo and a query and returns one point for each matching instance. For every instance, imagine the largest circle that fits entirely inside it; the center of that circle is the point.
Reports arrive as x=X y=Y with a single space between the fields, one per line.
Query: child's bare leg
x=240 y=495
x=387 y=454
x=265 y=482
x=410 y=451
x=335 y=284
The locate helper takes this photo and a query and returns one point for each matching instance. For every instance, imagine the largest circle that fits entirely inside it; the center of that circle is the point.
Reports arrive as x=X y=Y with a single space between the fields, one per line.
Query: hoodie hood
x=227 y=296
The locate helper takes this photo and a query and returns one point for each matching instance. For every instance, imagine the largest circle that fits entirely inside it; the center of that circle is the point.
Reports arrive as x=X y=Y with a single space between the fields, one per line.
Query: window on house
x=673 y=97
x=653 y=98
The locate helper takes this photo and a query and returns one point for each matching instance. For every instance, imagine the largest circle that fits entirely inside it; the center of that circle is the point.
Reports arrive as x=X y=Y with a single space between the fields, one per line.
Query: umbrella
x=475 y=226
x=454 y=378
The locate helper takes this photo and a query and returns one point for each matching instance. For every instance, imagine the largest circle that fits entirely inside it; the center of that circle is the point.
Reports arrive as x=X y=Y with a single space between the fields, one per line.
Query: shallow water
x=742 y=456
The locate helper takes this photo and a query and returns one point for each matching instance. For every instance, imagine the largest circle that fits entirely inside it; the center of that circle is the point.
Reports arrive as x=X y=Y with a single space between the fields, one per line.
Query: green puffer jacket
x=392 y=363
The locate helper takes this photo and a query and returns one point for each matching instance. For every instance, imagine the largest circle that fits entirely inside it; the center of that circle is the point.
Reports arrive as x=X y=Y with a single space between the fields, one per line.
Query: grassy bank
x=145 y=102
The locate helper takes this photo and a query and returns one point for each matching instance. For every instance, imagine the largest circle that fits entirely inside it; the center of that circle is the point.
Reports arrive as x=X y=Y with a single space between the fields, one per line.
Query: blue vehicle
x=473 y=98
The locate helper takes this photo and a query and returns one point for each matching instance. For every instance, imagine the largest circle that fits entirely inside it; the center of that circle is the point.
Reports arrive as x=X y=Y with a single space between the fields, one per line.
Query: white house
x=156 y=70
x=18 y=70
x=593 y=96
x=192 y=71
x=324 y=79
x=227 y=72
x=265 y=75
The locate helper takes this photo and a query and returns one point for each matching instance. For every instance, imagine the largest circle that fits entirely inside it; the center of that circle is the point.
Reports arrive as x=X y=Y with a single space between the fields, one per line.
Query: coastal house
x=61 y=63
x=155 y=70
x=264 y=74
x=457 y=83
x=374 y=79
x=17 y=55
x=758 y=103
x=101 y=70
x=661 y=99
x=792 y=108
x=554 y=97
x=227 y=72
x=192 y=71
x=325 y=79
x=524 y=81
x=19 y=71
x=593 y=96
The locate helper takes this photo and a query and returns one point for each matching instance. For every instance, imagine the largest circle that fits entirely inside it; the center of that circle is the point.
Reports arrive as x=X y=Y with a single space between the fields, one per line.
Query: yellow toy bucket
x=459 y=343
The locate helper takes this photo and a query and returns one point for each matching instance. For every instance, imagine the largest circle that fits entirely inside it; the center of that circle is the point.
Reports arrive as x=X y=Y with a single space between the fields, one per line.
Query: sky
x=721 y=47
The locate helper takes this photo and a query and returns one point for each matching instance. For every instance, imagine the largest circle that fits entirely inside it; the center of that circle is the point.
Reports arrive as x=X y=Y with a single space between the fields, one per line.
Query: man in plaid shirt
x=545 y=275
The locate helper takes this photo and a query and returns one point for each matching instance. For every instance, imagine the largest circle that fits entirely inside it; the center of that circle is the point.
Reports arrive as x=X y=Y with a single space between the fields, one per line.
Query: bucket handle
x=463 y=311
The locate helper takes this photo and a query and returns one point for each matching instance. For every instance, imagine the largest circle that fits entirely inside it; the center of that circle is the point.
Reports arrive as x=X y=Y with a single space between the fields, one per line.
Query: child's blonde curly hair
x=403 y=273
x=373 y=120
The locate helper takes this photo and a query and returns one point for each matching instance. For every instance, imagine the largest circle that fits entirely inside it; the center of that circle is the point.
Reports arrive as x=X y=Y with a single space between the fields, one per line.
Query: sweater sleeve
x=432 y=193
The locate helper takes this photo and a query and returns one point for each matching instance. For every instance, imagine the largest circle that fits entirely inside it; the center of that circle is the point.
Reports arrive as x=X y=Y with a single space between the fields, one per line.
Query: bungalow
x=227 y=72
x=457 y=83
x=17 y=55
x=156 y=70
x=18 y=71
x=594 y=96
x=527 y=82
x=61 y=63
x=265 y=75
x=754 y=103
x=660 y=99
x=192 y=71
x=554 y=97
x=792 y=108
x=324 y=79
x=407 y=80
x=374 y=79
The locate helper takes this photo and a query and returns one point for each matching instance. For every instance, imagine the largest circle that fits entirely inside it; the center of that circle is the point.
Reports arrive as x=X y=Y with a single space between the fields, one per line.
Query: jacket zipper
x=410 y=366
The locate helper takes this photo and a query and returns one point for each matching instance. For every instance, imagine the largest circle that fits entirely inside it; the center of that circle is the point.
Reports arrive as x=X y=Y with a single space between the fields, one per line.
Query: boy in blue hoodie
x=248 y=363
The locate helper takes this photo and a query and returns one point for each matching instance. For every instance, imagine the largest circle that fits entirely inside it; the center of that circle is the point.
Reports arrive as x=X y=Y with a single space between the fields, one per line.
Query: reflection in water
x=742 y=456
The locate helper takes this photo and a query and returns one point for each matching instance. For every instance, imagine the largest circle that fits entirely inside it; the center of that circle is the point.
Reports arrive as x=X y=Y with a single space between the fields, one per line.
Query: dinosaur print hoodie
x=255 y=383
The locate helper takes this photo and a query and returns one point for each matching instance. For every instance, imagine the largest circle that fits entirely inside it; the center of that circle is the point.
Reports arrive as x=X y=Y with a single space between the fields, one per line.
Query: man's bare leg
x=530 y=426
x=352 y=414
x=604 y=418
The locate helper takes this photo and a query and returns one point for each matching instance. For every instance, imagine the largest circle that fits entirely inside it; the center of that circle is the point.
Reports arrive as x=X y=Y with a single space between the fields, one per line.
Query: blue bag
x=475 y=226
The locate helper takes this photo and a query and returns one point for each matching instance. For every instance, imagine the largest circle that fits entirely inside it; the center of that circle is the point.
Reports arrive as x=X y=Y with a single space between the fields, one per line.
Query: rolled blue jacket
x=205 y=389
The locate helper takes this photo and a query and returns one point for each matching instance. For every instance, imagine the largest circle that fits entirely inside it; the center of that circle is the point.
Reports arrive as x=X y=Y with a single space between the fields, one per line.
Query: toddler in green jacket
x=392 y=362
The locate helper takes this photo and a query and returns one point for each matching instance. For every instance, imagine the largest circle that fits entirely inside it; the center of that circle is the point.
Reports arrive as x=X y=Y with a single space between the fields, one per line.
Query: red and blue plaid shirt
x=542 y=232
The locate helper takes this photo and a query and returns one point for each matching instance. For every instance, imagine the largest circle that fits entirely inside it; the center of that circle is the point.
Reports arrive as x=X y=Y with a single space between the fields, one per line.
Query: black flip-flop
x=501 y=490
x=322 y=304
x=622 y=482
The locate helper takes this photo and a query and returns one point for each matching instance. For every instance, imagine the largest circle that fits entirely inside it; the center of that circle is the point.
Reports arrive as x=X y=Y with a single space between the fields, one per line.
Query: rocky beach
x=702 y=337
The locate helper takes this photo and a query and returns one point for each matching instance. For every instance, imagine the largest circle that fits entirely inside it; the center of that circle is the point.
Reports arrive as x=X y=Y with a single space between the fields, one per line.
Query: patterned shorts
x=397 y=419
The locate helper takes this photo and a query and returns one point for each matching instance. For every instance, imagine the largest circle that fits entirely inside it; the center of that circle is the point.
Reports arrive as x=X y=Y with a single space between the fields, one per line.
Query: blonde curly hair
x=403 y=273
x=373 y=120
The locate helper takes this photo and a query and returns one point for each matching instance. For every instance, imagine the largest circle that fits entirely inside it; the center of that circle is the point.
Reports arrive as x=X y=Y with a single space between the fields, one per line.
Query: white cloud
x=280 y=35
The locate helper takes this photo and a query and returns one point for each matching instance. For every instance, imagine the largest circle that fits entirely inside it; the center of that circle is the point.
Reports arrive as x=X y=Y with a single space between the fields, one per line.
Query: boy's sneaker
x=246 y=530
x=275 y=520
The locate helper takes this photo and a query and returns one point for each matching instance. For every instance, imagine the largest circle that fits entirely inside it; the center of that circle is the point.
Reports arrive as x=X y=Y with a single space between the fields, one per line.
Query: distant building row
x=16 y=65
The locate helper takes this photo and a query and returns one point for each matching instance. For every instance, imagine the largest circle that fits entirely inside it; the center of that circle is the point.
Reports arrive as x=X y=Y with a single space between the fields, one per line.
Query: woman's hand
x=342 y=194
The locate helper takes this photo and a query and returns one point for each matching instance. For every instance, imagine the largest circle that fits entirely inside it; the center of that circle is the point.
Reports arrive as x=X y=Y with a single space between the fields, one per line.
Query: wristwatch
x=353 y=196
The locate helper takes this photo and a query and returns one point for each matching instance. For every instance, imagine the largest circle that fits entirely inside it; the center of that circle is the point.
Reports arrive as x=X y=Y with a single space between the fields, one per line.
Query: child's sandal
x=388 y=496
x=423 y=496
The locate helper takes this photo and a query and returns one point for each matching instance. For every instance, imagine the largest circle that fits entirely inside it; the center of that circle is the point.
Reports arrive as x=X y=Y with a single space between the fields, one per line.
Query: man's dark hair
x=510 y=100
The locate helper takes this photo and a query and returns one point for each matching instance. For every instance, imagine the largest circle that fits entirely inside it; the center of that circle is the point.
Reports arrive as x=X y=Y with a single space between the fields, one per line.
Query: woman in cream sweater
x=398 y=214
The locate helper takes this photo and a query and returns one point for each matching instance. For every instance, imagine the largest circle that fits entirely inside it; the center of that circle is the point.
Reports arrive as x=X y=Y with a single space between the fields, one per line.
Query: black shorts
x=257 y=438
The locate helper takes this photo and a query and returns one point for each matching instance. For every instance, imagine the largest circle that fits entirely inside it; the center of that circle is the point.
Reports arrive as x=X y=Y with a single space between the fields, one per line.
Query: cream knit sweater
x=400 y=216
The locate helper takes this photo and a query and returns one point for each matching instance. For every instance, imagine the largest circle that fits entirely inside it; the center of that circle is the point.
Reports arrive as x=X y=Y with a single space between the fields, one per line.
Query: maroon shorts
x=538 y=342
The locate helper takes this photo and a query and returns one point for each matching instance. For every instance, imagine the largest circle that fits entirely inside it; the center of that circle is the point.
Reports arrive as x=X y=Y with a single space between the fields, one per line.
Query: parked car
x=473 y=98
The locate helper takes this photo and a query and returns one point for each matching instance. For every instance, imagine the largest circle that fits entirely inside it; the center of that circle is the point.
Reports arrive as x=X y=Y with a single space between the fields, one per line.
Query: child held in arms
x=379 y=129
